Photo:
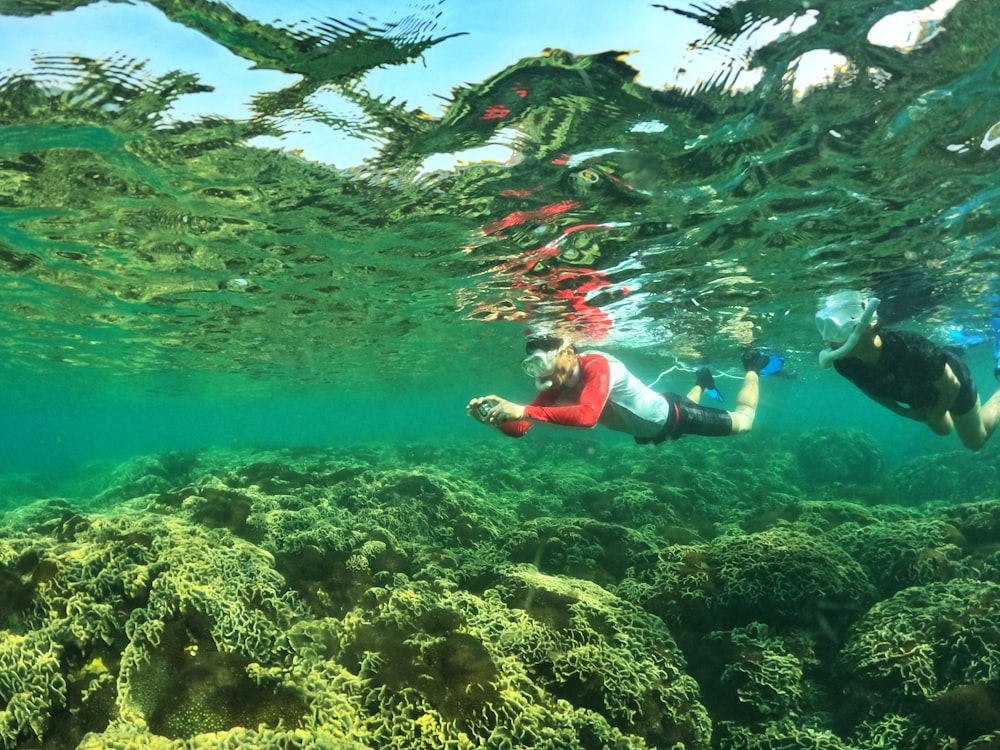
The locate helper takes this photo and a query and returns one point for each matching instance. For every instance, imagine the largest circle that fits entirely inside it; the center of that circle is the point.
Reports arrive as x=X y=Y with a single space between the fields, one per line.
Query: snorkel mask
x=844 y=317
x=540 y=363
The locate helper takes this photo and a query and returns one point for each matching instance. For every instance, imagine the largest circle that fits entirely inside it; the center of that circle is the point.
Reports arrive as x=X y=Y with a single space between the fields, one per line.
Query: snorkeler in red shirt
x=586 y=389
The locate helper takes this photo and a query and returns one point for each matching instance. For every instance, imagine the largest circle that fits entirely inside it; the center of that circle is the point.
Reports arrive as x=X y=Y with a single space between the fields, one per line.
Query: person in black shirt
x=904 y=371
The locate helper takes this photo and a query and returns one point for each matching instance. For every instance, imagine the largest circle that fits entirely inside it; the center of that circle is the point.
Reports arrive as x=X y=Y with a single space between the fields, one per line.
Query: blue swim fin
x=707 y=382
x=774 y=364
x=964 y=338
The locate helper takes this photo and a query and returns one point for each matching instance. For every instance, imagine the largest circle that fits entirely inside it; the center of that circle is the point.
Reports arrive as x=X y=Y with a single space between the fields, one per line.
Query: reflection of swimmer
x=904 y=371
x=586 y=389
x=585 y=181
x=586 y=176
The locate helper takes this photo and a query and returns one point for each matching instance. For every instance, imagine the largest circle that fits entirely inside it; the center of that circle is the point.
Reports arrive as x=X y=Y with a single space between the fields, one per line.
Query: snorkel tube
x=828 y=356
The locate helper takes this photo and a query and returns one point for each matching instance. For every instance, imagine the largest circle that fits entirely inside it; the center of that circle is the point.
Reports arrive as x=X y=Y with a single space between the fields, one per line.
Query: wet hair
x=543 y=344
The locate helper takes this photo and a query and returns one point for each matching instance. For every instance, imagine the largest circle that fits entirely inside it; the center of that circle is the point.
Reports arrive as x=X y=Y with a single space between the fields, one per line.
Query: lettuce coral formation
x=932 y=650
x=420 y=596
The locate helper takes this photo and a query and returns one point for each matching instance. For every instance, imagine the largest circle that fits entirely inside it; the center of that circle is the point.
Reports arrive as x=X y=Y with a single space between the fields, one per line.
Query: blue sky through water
x=495 y=35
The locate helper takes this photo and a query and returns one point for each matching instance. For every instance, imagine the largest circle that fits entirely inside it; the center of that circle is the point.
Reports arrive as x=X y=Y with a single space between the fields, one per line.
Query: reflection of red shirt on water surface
x=601 y=391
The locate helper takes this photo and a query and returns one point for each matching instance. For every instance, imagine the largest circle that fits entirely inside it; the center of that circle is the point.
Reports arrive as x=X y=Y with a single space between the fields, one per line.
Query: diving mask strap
x=828 y=356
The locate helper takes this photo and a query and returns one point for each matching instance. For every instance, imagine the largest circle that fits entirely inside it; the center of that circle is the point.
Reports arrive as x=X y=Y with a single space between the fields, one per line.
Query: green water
x=251 y=272
x=153 y=254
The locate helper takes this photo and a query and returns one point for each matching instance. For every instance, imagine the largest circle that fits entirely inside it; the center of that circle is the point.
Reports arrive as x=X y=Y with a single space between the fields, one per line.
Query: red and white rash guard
x=600 y=391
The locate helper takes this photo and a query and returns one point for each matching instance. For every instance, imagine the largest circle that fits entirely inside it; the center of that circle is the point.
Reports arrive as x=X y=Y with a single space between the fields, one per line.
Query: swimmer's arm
x=948 y=387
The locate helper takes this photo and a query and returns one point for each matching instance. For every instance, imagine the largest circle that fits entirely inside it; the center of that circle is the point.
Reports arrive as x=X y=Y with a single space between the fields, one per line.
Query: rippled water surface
x=335 y=226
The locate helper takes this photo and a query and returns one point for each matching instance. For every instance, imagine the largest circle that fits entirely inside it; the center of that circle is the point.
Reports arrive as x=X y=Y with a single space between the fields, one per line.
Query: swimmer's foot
x=704 y=379
x=762 y=364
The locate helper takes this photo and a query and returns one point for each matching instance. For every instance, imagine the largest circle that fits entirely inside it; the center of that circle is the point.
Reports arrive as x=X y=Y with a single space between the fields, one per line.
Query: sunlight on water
x=678 y=220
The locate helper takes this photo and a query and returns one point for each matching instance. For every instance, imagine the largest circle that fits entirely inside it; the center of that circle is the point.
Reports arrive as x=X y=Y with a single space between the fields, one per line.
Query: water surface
x=332 y=256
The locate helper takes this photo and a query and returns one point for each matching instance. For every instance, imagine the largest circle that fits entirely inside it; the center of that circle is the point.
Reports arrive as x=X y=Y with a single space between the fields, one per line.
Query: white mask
x=844 y=317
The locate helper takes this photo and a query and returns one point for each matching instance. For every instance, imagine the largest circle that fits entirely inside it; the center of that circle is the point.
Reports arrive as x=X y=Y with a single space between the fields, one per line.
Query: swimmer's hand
x=500 y=411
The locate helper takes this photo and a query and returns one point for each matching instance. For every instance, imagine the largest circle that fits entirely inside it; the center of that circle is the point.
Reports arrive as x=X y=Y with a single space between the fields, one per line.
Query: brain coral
x=784 y=575
x=932 y=651
x=141 y=619
x=839 y=455
x=536 y=661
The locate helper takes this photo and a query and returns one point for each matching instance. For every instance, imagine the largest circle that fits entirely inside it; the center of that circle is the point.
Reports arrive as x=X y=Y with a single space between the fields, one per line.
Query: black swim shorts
x=689 y=418
x=967 y=394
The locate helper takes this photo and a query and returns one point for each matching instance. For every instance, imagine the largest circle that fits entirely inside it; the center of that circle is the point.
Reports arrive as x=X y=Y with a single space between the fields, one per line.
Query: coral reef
x=783 y=576
x=142 y=618
x=903 y=553
x=930 y=651
x=952 y=476
x=752 y=673
x=430 y=596
x=848 y=456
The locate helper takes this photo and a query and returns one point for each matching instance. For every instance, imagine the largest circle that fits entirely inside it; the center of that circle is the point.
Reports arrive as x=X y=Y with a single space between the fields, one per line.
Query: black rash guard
x=906 y=371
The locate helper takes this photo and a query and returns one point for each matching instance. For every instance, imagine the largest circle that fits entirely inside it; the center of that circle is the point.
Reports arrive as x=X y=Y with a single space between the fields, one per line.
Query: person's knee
x=742 y=417
x=974 y=442
x=941 y=429
x=971 y=431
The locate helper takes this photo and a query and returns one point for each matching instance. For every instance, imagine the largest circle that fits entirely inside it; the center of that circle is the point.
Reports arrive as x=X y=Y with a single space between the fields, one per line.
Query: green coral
x=581 y=547
x=179 y=629
x=927 y=646
x=893 y=731
x=902 y=553
x=984 y=742
x=954 y=476
x=784 y=575
x=536 y=661
x=32 y=686
x=848 y=456
x=978 y=523
x=313 y=599
x=215 y=605
x=755 y=674
x=677 y=586
x=782 y=734
x=144 y=620
x=623 y=501
x=594 y=649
